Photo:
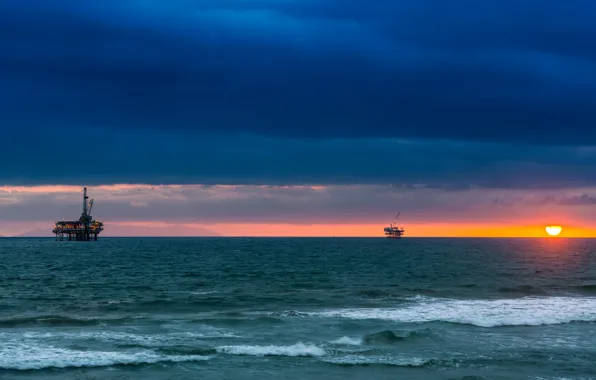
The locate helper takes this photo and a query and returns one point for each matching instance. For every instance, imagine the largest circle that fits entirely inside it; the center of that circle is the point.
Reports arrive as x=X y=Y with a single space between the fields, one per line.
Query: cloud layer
x=168 y=158
x=298 y=204
x=297 y=92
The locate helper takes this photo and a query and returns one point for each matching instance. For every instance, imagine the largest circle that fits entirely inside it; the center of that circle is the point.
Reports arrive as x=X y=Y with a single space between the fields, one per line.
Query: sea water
x=153 y=308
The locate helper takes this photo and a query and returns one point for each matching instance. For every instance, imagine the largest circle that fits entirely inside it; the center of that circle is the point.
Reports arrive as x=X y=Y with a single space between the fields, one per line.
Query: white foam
x=529 y=311
x=348 y=341
x=117 y=302
x=298 y=349
x=386 y=360
x=153 y=340
x=18 y=356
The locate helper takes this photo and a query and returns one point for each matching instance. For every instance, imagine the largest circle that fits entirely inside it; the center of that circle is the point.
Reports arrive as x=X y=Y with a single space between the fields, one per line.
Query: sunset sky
x=300 y=118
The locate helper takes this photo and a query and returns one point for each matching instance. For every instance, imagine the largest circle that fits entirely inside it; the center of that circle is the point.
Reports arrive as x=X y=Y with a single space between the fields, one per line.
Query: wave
x=522 y=289
x=392 y=337
x=587 y=288
x=159 y=319
x=57 y=321
x=354 y=360
x=124 y=339
x=346 y=340
x=529 y=311
x=21 y=357
x=187 y=350
x=376 y=293
x=298 y=349
x=386 y=337
x=287 y=313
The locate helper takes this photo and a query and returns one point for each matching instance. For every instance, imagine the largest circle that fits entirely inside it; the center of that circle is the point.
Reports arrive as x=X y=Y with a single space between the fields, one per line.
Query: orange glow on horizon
x=370 y=230
x=161 y=228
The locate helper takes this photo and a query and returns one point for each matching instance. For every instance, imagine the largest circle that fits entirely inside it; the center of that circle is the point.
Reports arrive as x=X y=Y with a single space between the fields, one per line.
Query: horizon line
x=312 y=237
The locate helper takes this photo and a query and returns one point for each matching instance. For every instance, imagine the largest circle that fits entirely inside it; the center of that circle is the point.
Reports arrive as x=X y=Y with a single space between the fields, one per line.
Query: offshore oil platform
x=393 y=231
x=84 y=229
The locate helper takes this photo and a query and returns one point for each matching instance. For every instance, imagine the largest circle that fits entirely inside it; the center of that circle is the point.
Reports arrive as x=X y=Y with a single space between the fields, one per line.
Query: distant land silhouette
x=38 y=232
x=171 y=230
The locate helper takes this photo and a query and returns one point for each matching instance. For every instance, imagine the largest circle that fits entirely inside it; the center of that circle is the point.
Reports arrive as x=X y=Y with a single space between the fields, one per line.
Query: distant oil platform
x=393 y=231
x=84 y=229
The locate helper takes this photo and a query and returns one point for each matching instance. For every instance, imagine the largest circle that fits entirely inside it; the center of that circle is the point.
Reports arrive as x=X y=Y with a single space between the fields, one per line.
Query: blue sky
x=450 y=95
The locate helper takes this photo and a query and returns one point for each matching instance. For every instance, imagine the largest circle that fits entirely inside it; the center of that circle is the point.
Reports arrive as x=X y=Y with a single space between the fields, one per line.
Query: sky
x=299 y=117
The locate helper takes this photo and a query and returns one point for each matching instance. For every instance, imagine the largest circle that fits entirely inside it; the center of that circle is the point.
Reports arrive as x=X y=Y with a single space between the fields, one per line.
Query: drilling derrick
x=84 y=229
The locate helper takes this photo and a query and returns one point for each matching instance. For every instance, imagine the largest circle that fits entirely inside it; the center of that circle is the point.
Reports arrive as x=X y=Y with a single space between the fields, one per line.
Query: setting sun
x=553 y=230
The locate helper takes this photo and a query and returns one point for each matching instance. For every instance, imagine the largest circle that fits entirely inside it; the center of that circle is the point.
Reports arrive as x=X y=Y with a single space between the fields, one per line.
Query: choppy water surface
x=298 y=309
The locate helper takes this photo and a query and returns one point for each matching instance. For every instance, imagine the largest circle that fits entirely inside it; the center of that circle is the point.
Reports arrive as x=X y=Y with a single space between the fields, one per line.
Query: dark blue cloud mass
x=168 y=89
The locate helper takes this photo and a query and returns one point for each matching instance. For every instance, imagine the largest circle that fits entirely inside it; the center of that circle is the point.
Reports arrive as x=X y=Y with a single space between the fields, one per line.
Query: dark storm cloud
x=170 y=157
x=148 y=77
x=506 y=70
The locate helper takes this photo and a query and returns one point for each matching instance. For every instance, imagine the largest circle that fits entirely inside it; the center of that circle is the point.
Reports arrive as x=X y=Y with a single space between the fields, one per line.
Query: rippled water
x=298 y=309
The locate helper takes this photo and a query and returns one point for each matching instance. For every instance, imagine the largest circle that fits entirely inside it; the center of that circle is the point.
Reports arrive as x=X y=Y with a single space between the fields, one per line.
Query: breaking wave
x=529 y=311
x=386 y=337
x=298 y=349
x=27 y=357
x=359 y=360
x=346 y=340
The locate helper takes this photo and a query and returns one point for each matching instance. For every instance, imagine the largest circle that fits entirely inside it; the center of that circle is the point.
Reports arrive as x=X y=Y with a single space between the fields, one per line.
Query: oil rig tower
x=393 y=231
x=84 y=229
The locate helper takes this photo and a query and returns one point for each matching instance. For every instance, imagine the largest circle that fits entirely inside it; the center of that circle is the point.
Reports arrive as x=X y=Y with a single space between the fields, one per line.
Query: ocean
x=329 y=308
